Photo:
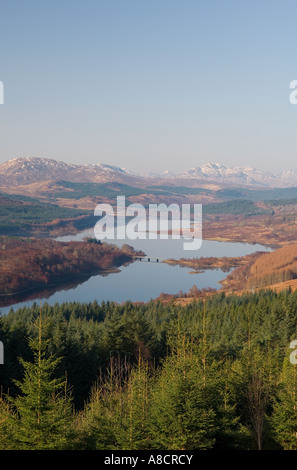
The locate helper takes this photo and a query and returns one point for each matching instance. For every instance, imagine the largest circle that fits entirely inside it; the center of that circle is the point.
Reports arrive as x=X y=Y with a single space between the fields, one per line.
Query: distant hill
x=241 y=175
x=28 y=170
x=25 y=216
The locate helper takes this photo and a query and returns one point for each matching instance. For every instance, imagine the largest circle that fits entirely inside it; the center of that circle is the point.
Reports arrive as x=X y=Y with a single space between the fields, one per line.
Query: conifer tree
x=284 y=417
x=116 y=416
x=257 y=371
x=5 y=416
x=133 y=433
x=182 y=412
x=43 y=410
x=231 y=434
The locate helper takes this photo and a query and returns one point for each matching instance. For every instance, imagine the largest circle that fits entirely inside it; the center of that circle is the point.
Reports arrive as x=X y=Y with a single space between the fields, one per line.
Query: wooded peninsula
x=29 y=264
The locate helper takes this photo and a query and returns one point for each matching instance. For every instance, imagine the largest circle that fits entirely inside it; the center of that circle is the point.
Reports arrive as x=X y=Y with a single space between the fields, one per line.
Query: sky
x=149 y=85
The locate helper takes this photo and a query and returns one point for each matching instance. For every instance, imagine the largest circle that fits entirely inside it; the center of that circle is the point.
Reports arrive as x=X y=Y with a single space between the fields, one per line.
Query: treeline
x=110 y=190
x=184 y=190
x=236 y=207
x=213 y=374
x=34 y=264
x=193 y=293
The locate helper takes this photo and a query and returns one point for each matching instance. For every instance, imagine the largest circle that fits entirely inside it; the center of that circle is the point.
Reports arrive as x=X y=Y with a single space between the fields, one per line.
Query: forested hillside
x=25 y=216
x=213 y=375
x=30 y=264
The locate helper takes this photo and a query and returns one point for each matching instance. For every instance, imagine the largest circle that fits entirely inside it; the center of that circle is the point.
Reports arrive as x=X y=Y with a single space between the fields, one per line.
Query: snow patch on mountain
x=241 y=175
x=26 y=170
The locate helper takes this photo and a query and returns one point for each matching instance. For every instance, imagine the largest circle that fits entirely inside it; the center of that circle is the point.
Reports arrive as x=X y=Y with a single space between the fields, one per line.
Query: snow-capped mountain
x=23 y=171
x=216 y=172
x=30 y=169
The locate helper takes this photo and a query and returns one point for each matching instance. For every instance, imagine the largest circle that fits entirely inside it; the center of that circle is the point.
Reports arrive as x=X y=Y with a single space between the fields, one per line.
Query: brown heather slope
x=276 y=271
x=278 y=268
x=33 y=264
x=263 y=229
x=274 y=268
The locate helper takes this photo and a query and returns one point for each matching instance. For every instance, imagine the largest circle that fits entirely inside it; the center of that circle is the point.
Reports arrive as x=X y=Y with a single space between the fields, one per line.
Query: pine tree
x=43 y=411
x=257 y=370
x=117 y=414
x=182 y=414
x=284 y=417
x=5 y=416
x=98 y=421
x=231 y=434
x=133 y=431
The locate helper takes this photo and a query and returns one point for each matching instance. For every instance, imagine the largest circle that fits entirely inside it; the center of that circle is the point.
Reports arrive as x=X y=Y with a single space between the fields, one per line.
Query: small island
x=224 y=263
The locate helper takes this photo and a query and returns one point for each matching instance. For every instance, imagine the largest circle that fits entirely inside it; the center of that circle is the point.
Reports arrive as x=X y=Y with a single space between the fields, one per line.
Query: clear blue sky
x=149 y=84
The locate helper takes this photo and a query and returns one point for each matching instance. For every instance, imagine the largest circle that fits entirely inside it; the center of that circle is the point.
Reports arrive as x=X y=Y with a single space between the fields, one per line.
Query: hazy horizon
x=161 y=172
x=149 y=86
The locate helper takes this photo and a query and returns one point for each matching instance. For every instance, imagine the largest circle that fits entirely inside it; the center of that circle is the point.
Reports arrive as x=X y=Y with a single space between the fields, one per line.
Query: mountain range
x=242 y=175
x=28 y=170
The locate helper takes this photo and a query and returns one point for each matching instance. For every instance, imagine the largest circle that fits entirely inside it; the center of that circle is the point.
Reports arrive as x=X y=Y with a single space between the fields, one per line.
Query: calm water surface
x=142 y=281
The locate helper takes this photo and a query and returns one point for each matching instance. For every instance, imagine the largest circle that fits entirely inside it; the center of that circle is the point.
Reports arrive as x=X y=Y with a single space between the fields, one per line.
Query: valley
x=104 y=308
x=36 y=202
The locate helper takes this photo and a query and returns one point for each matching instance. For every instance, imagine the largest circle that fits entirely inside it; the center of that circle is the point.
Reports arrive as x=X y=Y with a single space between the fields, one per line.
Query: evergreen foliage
x=40 y=417
x=207 y=375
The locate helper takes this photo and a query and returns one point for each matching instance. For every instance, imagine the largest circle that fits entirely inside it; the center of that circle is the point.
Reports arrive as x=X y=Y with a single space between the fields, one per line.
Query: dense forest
x=214 y=374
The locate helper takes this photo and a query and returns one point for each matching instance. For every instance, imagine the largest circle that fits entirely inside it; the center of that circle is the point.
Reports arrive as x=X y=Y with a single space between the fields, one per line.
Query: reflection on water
x=140 y=281
x=9 y=300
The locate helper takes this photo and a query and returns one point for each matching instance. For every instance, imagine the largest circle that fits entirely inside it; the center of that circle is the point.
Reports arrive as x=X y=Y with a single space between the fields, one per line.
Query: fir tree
x=42 y=415
x=284 y=417
x=256 y=378
x=117 y=414
x=182 y=412
x=5 y=416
